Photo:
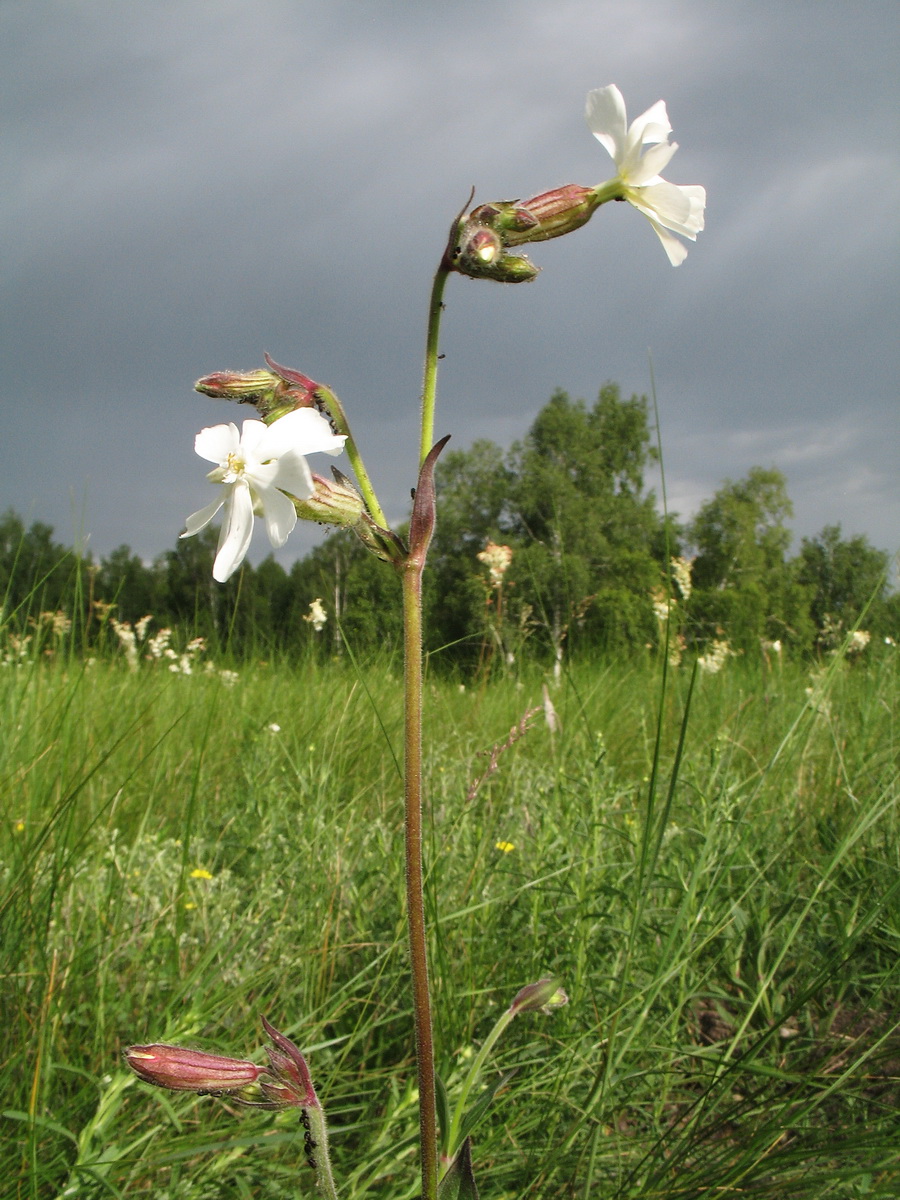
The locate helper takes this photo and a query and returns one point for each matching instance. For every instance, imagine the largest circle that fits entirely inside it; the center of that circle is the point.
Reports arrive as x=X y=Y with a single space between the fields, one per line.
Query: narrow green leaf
x=459 y=1182
x=442 y=1103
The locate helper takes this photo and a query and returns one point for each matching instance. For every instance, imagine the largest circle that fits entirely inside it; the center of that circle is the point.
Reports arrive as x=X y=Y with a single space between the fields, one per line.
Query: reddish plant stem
x=415 y=897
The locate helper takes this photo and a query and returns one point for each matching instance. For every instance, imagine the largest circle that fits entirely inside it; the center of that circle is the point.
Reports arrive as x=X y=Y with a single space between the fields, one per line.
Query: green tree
x=122 y=579
x=474 y=489
x=37 y=574
x=361 y=595
x=592 y=530
x=843 y=576
x=189 y=596
x=743 y=584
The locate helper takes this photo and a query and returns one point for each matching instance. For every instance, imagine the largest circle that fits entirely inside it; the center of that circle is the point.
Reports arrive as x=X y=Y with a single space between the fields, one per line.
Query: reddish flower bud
x=244 y=386
x=542 y=996
x=549 y=215
x=273 y=393
x=182 y=1070
x=292 y=1084
x=296 y=380
x=480 y=255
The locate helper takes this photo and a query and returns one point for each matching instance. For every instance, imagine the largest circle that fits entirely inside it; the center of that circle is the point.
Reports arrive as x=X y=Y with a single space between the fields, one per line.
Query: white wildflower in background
x=662 y=604
x=770 y=650
x=716 y=656
x=317 y=616
x=667 y=206
x=57 y=622
x=259 y=469
x=817 y=691
x=550 y=714
x=125 y=632
x=229 y=678
x=677 y=647
x=16 y=649
x=681 y=572
x=497 y=559
x=858 y=641
x=158 y=645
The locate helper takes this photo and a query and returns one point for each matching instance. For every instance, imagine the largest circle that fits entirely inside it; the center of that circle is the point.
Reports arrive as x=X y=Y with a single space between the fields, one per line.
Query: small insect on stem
x=309 y=1142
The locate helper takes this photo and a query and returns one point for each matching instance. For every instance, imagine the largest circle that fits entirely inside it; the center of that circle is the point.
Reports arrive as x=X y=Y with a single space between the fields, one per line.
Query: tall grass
x=719 y=895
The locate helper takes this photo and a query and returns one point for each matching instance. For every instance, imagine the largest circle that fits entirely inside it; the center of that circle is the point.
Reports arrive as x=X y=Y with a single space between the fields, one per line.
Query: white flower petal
x=652 y=125
x=280 y=515
x=605 y=115
x=216 y=442
x=667 y=206
x=252 y=433
x=262 y=474
x=676 y=251
x=294 y=475
x=304 y=430
x=679 y=208
x=646 y=169
x=200 y=519
x=237 y=527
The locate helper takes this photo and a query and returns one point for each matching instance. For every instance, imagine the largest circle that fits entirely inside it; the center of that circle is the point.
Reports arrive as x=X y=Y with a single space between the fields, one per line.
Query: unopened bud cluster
x=480 y=240
x=270 y=394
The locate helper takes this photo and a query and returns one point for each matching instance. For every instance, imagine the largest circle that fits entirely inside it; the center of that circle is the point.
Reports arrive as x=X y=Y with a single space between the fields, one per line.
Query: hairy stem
x=317 y=1146
x=415 y=899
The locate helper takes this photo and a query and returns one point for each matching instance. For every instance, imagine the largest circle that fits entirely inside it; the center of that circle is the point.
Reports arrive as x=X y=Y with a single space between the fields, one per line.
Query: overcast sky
x=188 y=183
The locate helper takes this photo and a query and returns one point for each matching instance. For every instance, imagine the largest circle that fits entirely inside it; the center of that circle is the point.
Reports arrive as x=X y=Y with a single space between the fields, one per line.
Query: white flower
x=667 y=206
x=858 y=641
x=256 y=469
x=496 y=559
x=317 y=615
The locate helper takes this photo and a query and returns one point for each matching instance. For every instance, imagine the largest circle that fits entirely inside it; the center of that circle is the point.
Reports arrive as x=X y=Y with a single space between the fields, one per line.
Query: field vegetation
x=707 y=861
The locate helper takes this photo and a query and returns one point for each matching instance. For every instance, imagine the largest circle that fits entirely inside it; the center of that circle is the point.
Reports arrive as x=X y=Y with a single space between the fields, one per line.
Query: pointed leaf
x=483 y=1103
x=442 y=1102
x=421 y=525
x=290 y=376
x=459 y=1182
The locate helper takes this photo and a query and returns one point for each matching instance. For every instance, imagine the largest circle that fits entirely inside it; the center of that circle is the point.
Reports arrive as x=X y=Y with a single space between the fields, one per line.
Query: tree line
x=553 y=547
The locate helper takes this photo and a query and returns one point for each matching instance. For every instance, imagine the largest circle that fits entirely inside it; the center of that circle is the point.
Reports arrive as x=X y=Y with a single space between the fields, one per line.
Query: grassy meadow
x=711 y=869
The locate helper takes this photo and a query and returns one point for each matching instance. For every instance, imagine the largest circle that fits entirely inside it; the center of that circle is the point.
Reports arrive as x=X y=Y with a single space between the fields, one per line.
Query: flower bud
x=542 y=996
x=292 y=1086
x=479 y=254
x=334 y=502
x=244 y=386
x=273 y=392
x=182 y=1070
x=549 y=215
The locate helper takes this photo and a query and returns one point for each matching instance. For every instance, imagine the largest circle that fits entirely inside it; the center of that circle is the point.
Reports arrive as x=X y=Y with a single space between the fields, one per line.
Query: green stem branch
x=342 y=426
x=429 y=384
x=472 y=1078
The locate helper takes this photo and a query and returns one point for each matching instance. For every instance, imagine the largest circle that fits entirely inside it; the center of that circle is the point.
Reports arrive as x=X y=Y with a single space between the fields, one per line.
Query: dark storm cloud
x=189 y=183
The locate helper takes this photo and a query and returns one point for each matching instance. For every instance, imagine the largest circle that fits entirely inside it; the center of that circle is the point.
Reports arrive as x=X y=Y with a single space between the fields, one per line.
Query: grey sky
x=189 y=183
